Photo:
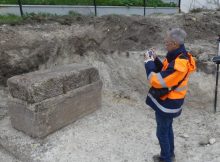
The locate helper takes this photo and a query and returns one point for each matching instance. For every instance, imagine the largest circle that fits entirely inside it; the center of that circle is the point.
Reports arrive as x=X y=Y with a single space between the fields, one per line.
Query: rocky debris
x=207 y=141
x=204 y=142
x=207 y=67
x=184 y=135
x=212 y=141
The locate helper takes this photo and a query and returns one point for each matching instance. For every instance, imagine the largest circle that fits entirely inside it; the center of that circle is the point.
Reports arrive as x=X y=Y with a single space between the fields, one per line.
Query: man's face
x=170 y=45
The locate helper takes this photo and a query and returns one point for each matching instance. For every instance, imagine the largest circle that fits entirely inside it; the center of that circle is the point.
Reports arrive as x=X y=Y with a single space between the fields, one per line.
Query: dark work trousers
x=165 y=137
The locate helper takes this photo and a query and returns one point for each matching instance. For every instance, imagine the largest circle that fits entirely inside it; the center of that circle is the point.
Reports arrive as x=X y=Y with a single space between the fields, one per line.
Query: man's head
x=174 y=38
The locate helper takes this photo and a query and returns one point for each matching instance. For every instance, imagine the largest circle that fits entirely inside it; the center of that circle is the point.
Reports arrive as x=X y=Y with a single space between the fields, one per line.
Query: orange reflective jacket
x=179 y=64
x=182 y=66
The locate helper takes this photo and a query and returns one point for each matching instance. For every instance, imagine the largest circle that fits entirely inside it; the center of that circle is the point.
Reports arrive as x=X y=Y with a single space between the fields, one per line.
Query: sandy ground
x=123 y=130
x=5 y=157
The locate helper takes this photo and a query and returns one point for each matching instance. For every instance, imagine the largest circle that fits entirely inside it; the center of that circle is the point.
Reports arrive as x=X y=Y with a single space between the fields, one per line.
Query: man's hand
x=154 y=54
x=149 y=56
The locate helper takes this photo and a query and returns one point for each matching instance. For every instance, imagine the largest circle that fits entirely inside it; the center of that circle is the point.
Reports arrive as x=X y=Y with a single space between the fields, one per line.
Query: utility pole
x=216 y=59
x=95 y=7
x=179 y=6
x=20 y=6
x=144 y=7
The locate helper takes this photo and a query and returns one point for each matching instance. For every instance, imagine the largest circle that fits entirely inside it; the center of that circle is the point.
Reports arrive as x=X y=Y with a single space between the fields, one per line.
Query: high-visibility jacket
x=177 y=65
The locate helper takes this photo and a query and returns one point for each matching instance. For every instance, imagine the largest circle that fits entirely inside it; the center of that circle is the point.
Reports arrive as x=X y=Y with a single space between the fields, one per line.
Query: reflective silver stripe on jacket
x=150 y=75
x=162 y=82
x=159 y=77
x=166 y=110
x=179 y=89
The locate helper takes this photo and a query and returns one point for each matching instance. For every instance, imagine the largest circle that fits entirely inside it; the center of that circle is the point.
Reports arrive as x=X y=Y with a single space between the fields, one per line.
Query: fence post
x=95 y=7
x=179 y=6
x=144 y=7
x=20 y=6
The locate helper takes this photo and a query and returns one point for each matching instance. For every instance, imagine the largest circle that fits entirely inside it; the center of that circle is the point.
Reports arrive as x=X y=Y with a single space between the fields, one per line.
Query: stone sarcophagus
x=42 y=102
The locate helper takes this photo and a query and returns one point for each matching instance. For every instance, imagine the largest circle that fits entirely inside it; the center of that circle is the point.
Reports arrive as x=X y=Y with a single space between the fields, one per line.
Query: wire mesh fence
x=149 y=3
x=96 y=7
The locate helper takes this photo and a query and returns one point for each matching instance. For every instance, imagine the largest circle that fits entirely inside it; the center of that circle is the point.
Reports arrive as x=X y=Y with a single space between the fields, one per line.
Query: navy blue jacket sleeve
x=159 y=65
x=150 y=67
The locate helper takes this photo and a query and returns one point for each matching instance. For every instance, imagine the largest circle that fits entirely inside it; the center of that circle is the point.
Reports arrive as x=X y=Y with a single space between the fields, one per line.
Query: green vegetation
x=33 y=17
x=149 y=3
x=10 y=19
x=196 y=10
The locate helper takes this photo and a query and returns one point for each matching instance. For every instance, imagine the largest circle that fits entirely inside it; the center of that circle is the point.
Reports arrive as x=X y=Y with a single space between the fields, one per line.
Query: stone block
x=39 y=85
x=78 y=94
x=42 y=118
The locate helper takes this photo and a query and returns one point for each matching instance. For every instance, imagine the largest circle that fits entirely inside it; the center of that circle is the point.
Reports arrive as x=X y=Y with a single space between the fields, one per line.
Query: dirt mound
x=25 y=47
x=204 y=25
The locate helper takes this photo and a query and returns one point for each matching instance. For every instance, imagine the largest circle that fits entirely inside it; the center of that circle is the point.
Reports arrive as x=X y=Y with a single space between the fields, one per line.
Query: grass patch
x=149 y=3
x=40 y=17
x=72 y=13
x=10 y=19
x=197 y=10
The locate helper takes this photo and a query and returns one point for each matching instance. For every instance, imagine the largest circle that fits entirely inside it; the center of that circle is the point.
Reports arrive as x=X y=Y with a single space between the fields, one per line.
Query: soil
x=124 y=129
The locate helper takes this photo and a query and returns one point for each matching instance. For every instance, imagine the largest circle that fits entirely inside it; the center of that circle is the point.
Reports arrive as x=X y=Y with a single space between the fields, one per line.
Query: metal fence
x=96 y=7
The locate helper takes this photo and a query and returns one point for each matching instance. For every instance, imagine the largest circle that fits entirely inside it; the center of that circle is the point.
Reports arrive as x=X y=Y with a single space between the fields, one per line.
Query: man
x=173 y=72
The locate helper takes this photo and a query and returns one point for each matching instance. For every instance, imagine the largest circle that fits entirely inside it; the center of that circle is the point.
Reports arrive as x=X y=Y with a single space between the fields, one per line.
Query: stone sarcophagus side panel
x=42 y=102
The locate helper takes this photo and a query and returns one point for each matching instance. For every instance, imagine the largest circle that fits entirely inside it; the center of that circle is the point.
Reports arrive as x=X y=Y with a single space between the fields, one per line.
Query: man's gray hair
x=177 y=34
